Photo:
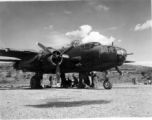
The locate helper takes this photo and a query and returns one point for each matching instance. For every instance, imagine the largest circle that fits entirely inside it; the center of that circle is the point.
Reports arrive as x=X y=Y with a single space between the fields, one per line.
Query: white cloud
x=102 y=7
x=67 y=12
x=94 y=4
x=57 y=40
x=143 y=26
x=97 y=37
x=84 y=30
x=49 y=28
x=88 y=35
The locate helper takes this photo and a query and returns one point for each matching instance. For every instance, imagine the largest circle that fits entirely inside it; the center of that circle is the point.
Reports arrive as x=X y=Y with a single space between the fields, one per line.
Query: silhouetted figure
x=93 y=77
x=63 y=80
x=75 y=81
x=68 y=82
x=82 y=83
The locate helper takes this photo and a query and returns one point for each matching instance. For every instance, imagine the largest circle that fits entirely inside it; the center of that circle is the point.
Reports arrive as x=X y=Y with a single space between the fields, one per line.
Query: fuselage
x=93 y=57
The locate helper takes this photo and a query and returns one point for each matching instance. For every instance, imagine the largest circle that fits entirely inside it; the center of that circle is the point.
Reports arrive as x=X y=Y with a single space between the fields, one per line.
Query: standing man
x=82 y=77
x=63 y=80
x=75 y=80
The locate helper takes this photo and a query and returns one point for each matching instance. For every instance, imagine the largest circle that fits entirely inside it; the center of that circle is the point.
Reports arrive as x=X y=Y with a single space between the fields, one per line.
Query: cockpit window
x=91 y=45
x=87 y=47
x=95 y=44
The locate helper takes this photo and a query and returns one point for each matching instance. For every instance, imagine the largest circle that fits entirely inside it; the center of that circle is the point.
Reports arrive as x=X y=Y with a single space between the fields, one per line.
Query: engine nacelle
x=16 y=65
x=55 y=58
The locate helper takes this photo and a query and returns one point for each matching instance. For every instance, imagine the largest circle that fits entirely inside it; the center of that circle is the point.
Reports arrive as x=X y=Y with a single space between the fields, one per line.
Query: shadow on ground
x=54 y=88
x=135 y=87
x=59 y=104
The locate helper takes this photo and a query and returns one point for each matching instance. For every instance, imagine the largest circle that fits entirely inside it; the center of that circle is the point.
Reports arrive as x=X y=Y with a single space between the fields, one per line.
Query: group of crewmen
x=74 y=81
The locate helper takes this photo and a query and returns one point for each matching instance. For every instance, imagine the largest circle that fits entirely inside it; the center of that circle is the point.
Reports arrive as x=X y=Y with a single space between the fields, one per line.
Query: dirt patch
x=123 y=100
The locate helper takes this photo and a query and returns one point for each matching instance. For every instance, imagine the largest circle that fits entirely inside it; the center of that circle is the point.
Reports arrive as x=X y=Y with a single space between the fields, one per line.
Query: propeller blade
x=129 y=61
x=67 y=50
x=58 y=73
x=118 y=70
x=43 y=47
x=65 y=56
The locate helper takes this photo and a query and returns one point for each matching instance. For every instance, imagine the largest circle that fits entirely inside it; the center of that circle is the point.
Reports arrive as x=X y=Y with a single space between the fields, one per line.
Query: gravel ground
x=124 y=100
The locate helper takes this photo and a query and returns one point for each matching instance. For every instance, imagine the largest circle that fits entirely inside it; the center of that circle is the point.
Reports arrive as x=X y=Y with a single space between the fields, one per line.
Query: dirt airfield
x=123 y=100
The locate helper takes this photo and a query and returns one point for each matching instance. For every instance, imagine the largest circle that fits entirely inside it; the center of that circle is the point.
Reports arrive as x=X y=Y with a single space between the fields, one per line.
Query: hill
x=8 y=75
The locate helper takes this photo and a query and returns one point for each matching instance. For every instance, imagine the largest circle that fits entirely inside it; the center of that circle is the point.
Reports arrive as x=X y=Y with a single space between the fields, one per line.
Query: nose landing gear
x=107 y=84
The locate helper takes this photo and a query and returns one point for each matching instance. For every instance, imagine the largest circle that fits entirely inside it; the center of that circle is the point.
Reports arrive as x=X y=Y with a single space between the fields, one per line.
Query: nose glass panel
x=121 y=55
x=121 y=51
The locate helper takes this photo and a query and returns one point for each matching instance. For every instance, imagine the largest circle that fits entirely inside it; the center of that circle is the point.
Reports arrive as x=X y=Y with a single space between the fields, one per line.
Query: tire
x=107 y=84
x=35 y=82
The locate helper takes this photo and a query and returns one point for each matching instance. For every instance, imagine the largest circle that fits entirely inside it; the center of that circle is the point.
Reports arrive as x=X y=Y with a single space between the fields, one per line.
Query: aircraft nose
x=121 y=55
x=121 y=52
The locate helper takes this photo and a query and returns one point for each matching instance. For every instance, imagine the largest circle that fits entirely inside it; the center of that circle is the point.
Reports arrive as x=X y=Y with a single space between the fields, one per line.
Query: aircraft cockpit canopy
x=95 y=44
x=76 y=42
x=90 y=45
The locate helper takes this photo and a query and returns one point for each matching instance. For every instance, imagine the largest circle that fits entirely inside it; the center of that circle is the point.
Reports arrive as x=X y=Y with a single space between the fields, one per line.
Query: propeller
x=58 y=72
x=56 y=57
x=43 y=47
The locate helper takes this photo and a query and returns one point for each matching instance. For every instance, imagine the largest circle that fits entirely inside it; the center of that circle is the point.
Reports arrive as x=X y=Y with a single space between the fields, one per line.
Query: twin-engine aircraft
x=80 y=58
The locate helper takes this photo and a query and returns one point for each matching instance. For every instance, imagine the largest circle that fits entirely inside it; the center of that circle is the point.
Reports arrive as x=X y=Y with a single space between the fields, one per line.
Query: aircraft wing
x=8 y=52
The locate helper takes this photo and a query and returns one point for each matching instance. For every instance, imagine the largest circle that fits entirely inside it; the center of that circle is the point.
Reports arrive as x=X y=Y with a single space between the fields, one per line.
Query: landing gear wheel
x=35 y=82
x=107 y=84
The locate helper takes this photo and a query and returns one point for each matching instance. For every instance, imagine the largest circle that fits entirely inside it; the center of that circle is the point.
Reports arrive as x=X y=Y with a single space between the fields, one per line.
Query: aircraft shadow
x=59 y=104
x=54 y=88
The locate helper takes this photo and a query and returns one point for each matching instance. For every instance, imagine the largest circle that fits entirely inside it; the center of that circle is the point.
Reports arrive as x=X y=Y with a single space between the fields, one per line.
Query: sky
x=127 y=23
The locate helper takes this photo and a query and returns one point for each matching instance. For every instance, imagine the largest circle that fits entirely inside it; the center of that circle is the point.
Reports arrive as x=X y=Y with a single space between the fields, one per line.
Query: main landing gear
x=36 y=80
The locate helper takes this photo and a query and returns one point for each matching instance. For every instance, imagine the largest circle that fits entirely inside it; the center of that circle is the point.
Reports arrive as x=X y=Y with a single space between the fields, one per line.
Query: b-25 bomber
x=80 y=58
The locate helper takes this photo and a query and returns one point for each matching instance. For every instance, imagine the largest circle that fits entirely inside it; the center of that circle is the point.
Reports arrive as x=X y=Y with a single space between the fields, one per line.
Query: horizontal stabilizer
x=9 y=60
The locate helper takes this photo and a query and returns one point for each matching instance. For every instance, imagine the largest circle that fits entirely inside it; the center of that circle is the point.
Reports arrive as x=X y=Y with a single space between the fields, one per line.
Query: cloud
x=96 y=6
x=117 y=42
x=57 y=40
x=113 y=28
x=97 y=37
x=143 y=26
x=84 y=30
x=67 y=12
x=49 y=28
x=116 y=27
x=88 y=35
x=102 y=7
